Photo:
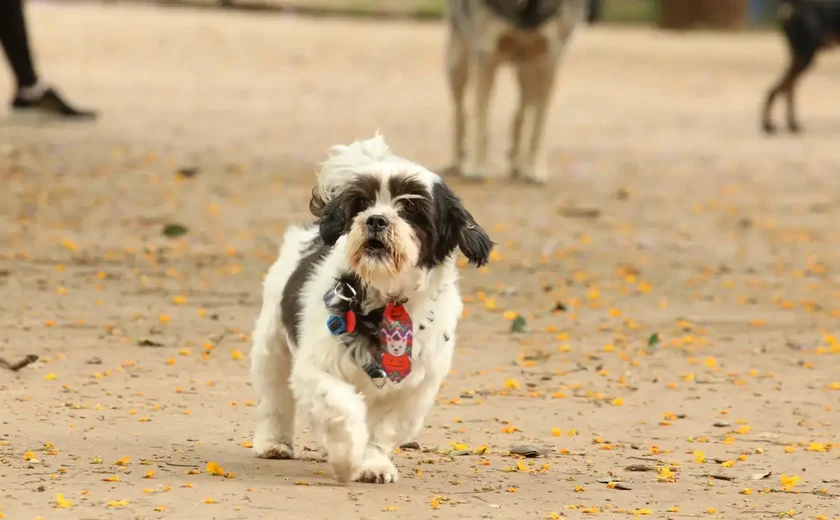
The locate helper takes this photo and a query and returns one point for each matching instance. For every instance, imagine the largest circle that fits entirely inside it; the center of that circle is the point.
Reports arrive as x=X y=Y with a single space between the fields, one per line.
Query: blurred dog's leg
x=767 y=117
x=800 y=65
x=515 y=151
x=458 y=74
x=483 y=72
x=541 y=84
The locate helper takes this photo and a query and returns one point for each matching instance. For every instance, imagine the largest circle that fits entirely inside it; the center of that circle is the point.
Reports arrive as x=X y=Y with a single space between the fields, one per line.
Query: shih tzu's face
x=396 y=222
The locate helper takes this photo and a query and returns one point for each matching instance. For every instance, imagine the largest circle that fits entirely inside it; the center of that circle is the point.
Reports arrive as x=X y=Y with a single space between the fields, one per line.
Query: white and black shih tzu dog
x=357 y=326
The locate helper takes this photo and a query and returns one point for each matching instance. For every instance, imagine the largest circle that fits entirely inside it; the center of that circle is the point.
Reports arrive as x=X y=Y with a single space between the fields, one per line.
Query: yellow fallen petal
x=61 y=502
x=215 y=469
x=789 y=481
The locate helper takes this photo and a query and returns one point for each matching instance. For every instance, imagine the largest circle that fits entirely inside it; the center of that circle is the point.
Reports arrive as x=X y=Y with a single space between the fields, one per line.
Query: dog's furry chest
x=486 y=31
x=514 y=45
x=434 y=324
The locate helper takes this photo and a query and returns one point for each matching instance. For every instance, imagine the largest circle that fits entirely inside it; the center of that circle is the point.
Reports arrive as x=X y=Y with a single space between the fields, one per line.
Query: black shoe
x=52 y=103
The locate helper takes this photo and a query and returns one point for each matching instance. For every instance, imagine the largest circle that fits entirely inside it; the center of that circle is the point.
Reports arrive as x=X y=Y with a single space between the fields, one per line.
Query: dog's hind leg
x=270 y=369
x=800 y=66
x=787 y=85
x=803 y=34
x=457 y=66
x=799 y=63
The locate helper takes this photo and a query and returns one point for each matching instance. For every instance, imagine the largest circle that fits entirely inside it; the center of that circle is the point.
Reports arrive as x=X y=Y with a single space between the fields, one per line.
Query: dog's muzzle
x=376 y=227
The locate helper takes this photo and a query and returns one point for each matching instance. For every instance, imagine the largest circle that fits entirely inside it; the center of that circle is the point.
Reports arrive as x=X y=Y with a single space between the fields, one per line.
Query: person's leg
x=31 y=94
x=16 y=43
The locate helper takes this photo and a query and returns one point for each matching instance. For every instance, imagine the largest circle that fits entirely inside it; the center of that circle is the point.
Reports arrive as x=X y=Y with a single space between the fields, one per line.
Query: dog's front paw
x=378 y=470
x=346 y=465
x=273 y=450
x=768 y=127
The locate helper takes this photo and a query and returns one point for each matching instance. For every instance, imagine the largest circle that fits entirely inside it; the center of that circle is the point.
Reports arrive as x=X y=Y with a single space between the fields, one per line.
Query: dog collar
x=396 y=332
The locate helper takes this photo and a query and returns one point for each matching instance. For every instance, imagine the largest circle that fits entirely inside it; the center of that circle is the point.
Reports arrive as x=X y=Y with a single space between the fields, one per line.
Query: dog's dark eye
x=357 y=205
x=409 y=207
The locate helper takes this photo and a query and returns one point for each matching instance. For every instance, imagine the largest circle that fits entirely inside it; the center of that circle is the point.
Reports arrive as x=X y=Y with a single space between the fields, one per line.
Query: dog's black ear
x=316 y=203
x=332 y=218
x=456 y=227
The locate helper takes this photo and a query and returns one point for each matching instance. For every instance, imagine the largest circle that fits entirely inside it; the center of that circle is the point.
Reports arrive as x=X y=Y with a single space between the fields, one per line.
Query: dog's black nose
x=377 y=223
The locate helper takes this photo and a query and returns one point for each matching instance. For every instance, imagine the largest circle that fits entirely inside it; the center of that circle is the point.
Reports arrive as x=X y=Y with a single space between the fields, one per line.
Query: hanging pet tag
x=336 y=300
x=397 y=336
x=350 y=321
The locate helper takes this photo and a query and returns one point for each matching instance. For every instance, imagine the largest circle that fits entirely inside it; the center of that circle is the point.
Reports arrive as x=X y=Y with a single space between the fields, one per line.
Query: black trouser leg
x=594 y=11
x=16 y=42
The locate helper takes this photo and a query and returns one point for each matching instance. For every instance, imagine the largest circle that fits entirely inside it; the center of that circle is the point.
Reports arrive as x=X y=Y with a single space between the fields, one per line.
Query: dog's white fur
x=474 y=53
x=356 y=423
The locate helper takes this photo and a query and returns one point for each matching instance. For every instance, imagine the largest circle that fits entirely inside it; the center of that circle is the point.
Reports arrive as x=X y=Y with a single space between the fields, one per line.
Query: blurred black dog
x=809 y=26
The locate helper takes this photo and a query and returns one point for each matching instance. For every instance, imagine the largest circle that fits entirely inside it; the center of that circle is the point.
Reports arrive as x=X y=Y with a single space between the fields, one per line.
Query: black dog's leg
x=787 y=84
x=767 y=122
x=799 y=66
x=803 y=30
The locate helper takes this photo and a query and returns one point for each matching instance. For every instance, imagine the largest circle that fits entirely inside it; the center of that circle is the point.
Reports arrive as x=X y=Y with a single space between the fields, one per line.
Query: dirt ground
x=668 y=217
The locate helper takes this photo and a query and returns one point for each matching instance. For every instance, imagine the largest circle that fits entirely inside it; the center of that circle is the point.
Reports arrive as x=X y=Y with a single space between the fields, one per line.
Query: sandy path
x=717 y=239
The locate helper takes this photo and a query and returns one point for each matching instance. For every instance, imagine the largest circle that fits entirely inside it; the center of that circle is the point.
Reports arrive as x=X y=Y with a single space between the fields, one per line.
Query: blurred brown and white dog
x=386 y=235
x=530 y=34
